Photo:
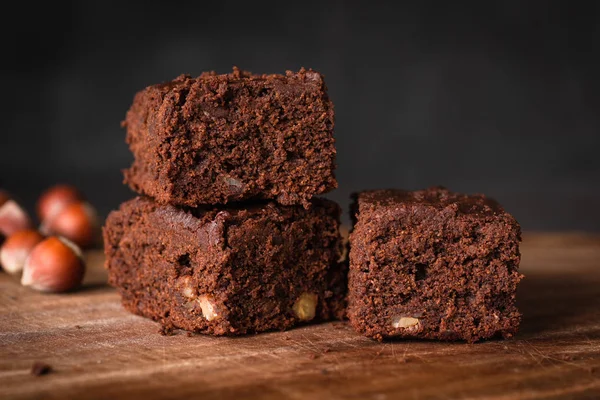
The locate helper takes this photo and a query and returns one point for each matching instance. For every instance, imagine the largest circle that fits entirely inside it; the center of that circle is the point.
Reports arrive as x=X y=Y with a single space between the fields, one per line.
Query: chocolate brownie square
x=227 y=270
x=216 y=139
x=433 y=264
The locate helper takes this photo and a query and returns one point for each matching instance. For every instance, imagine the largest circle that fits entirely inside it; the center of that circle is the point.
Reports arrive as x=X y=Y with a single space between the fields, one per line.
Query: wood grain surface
x=98 y=350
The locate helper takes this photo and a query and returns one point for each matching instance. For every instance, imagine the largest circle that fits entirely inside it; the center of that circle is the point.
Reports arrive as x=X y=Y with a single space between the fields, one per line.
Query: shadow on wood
x=557 y=301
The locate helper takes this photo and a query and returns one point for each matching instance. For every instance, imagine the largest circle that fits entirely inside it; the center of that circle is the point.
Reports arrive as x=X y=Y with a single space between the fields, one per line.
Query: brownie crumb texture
x=433 y=264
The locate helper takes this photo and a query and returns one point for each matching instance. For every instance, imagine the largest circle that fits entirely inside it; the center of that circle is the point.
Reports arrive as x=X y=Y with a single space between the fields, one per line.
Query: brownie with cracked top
x=432 y=264
x=226 y=138
x=227 y=270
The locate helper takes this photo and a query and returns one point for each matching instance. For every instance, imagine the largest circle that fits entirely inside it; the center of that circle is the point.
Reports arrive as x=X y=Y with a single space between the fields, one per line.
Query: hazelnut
x=305 y=307
x=16 y=248
x=77 y=222
x=409 y=323
x=54 y=265
x=209 y=311
x=207 y=305
x=12 y=217
x=235 y=185
x=187 y=291
x=55 y=199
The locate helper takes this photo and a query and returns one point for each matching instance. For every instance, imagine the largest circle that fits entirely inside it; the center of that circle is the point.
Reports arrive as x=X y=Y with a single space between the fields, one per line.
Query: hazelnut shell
x=54 y=265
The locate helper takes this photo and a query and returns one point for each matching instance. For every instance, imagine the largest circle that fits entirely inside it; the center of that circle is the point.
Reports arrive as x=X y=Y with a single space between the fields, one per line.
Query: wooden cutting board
x=98 y=350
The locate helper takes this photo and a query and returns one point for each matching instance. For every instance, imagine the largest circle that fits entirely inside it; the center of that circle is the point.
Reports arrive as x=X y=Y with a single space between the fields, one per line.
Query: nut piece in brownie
x=227 y=271
x=222 y=138
x=433 y=264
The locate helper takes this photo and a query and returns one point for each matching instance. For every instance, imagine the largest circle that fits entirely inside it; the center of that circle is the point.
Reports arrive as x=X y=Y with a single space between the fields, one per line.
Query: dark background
x=493 y=97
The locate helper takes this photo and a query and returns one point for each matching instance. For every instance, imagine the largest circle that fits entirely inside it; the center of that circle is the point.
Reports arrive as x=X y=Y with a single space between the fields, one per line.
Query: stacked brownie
x=227 y=236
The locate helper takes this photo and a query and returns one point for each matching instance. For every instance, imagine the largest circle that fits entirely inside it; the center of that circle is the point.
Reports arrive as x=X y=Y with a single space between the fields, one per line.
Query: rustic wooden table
x=97 y=350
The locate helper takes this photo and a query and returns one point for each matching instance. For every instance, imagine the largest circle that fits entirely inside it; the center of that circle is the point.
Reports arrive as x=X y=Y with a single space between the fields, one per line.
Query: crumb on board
x=40 y=368
x=166 y=330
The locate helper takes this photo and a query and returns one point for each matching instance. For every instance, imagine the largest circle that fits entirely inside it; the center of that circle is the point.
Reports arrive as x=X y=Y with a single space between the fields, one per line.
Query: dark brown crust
x=253 y=263
x=225 y=138
x=446 y=260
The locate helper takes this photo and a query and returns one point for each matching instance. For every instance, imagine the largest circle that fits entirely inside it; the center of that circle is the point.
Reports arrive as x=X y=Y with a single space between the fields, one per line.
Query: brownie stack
x=227 y=236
